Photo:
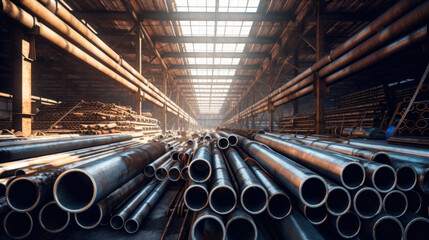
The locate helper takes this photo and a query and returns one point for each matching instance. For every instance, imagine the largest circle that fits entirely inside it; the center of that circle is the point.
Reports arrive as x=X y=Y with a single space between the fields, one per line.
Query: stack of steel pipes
x=344 y=190
x=44 y=181
x=416 y=121
x=228 y=191
x=91 y=118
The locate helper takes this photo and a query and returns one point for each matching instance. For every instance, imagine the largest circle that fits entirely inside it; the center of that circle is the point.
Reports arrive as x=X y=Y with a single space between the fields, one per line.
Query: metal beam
x=214 y=55
x=213 y=66
x=184 y=16
x=173 y=39
x=241 y=77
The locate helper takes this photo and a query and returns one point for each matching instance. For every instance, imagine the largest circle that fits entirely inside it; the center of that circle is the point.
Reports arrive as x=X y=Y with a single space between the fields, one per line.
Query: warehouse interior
x=214 y=119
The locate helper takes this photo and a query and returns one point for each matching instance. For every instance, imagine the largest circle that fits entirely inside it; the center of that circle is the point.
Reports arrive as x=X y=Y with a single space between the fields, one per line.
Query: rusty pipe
x=52 y=218
x=118 y=219
x=101 y=211
x=184 y=173
x=77 y=189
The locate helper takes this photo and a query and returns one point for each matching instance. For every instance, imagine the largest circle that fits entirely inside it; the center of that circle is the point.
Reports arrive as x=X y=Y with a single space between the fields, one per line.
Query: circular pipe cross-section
x=338 y=201
x=208 y=225
x=18 y=225
x=89 y=218
x=406 y=178
x=240 y=226
x=395 y=203
x=196 y=196
x=348 y=225
x=52 y=218
x=367 y=203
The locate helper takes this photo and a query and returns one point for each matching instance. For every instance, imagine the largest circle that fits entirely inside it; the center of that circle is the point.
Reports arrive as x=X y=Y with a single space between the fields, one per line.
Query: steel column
x=22 y=50
x=139 y=67
x=164 y=109
x=320 y=83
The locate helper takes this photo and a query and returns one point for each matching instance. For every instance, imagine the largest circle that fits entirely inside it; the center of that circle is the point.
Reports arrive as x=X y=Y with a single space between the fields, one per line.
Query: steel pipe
x=150 y=169
x=307 y=186
x=383 y=227
x=12 y=153
x=29 y=191
x=162 y=171
x=338 y=201
x=77 y=189
x=348 y=225
x=240 y=225
x=279 y=204
x=384 y=147
x=208 y=225
x=196 y=196
x=380 y=176
x=52 y=218
x=200 y=168
x=133 y=223
x=118 y=219
x=395 y=203
x=367 y=202
x=222 y=197
x=18 y=225
x=315 y=216
x=349 y=173
x=184 y=173
x=174 y=172
x=414 y=201
x=253 y=196
x=100 y=212
x=296 y=227
x=406 y=177
x=415 y=226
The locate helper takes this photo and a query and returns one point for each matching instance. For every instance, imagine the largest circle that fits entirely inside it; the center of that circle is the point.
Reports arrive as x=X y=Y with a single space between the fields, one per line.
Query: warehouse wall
x=208 y=121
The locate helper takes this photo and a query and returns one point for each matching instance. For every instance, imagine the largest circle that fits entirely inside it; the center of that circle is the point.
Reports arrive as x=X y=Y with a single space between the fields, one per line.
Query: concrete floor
x=151 y=229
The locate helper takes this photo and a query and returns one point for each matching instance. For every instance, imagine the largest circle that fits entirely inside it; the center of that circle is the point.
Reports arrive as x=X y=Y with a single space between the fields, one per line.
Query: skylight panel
x=230 y=47
x=221 y=86
x=202 y=86
x=201 y=80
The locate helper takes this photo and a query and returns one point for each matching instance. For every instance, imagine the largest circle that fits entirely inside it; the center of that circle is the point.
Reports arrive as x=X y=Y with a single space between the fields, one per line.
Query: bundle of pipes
x=91 y=118
x=355 y=191
x=90 y=182
x=403 y=25
x=416 y=122
x=363 y=108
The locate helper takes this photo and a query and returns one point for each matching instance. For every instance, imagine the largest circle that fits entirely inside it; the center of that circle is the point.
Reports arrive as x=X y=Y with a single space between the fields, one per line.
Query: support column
x=23 y=55
x=295 y=109
x=253 y=115
x=320 y=85
x=177 y=116
x=139 y=67
x=271 y=116
x=164 y=109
